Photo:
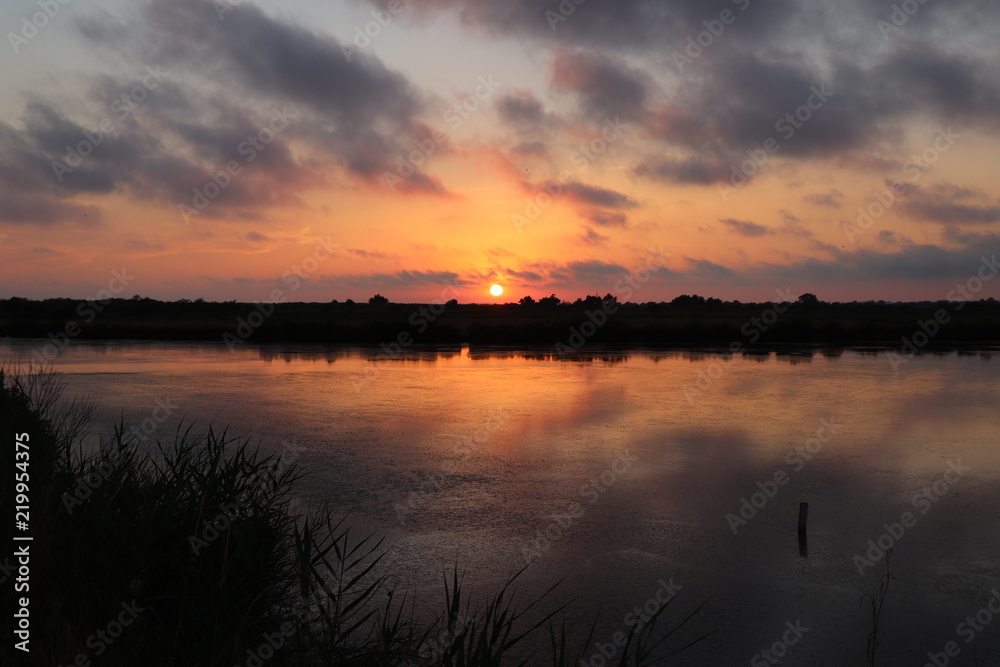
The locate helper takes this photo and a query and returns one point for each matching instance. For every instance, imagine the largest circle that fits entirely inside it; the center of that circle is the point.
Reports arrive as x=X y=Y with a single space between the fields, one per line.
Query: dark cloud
x=622 y=24
x=707 y=270
x=606 y=87
x=949 y=204
x=592 y=238
x=530 y=148
x=912 y=262
x=527 y=275
x=400 y=279
x=746 y=227
x=522 y=109
x=591 y=269
x=687 y=170
x=593 y=195
x=223 y=83
x=284 y=62
x=971 y=239
x=830 y=199
x=370 y=254
x=752 y=82
x=605 y=218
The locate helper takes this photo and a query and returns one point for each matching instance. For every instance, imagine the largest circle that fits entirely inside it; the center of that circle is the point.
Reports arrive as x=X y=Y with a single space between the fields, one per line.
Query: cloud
x=943 y=203
x=593 y=195
x=222 y=83
x=911 y=262
x=684 y=170
x=592 y=238
x=604 y=218
x=530 y=148
x=371 y=254
x=971 y=239
x=587 y=270
x=606 y=86
x=522 y=109
x=830 y=199
x=746 y=227
x=400 y=279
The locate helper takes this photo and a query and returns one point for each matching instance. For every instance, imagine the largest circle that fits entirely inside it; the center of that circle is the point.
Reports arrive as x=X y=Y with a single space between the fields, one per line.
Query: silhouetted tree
x=688 y=300
x=526 y=301
x=808 y=298
x=451 y=302
x=547 y=301
x=378 y=300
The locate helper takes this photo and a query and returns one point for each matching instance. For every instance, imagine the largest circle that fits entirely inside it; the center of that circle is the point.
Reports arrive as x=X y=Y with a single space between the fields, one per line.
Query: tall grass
x=195 y=549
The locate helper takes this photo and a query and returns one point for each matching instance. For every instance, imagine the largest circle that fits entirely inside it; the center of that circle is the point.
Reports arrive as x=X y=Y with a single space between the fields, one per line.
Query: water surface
x=629 y=462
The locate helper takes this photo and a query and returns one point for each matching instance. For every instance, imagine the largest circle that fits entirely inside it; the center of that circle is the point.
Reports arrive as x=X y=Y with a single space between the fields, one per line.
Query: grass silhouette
x=192 y=553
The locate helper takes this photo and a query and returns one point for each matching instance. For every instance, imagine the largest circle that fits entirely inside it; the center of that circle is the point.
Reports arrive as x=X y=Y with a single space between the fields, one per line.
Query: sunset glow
x=854 y=163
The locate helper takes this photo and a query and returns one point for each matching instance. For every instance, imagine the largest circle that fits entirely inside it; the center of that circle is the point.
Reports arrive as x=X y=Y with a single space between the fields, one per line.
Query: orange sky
x=455 y=146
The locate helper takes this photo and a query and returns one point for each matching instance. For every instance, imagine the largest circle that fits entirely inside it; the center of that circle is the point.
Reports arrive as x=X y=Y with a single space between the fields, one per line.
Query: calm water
x=474 y=456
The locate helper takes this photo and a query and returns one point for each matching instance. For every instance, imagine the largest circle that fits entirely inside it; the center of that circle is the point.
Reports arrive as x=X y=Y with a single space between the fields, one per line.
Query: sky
x=427 y=149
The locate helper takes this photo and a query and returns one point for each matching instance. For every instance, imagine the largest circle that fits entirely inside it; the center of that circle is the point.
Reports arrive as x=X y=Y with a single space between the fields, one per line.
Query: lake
x=630 y=474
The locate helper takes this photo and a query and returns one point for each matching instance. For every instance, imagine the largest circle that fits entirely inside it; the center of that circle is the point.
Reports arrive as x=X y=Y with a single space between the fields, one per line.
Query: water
x=631 y=462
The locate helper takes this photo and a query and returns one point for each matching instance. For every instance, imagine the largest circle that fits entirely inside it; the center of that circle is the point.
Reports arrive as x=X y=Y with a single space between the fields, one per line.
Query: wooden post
x=803 y=544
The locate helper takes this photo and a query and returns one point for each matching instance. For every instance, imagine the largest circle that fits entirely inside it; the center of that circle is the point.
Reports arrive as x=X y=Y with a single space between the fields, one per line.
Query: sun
x=496 y=290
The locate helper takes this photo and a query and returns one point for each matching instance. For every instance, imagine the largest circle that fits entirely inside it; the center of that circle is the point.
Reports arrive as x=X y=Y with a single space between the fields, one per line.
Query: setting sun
x=496 y=290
